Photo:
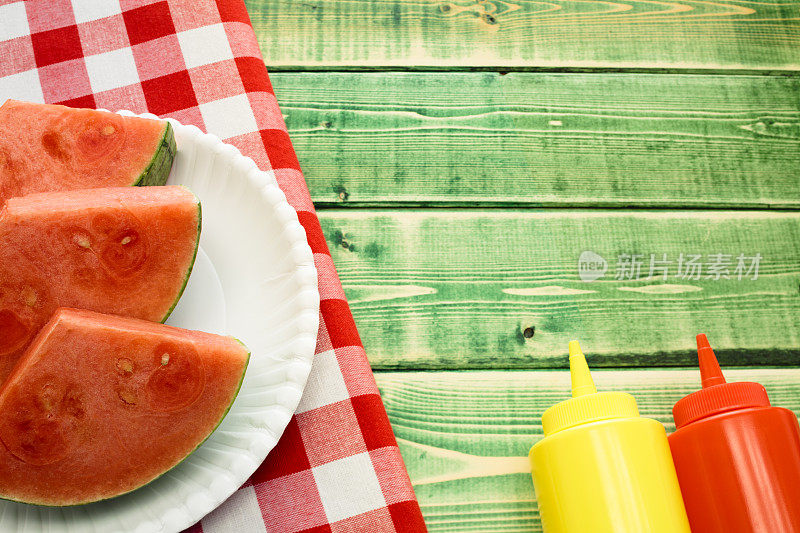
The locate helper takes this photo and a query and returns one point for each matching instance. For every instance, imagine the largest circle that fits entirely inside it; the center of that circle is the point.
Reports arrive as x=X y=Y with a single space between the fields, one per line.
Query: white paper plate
x=254 y=278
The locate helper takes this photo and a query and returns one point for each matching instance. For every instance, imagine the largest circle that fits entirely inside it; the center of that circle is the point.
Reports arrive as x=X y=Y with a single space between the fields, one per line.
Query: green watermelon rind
x=157 y=170
x=224 y=415
x=191 y=264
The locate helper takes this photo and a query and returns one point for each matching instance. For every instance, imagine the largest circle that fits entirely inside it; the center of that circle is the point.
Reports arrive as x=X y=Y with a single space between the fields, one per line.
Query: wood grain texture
x=465 y=436
x=446 y=289
x=680 y=34
x=434 y=139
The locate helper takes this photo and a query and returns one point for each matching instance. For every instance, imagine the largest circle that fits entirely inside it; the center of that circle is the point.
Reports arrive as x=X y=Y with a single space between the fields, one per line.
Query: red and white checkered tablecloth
x=337 y=468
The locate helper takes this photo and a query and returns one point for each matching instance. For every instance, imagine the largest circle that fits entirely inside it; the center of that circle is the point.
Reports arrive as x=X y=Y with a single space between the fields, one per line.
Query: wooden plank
x=465 y=436
x=501 y=288
x=545 y=139
x=738 y=34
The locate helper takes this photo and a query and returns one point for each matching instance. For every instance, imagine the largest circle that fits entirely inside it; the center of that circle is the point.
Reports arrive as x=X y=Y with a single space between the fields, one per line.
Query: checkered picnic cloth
x=337 y=467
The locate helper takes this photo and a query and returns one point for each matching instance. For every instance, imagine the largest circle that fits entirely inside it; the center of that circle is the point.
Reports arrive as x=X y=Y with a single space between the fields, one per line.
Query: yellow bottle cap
x=586 y=404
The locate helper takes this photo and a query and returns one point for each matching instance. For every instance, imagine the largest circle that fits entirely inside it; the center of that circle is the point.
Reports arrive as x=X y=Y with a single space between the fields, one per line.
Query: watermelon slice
x=124 y=250
x=100 y=405
x=56 y=148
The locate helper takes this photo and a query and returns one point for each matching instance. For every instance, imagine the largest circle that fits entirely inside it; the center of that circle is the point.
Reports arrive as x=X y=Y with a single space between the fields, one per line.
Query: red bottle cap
x=716 y=396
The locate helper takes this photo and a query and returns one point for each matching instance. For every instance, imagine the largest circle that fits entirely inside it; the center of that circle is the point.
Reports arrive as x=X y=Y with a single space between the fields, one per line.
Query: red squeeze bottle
x=737 y=457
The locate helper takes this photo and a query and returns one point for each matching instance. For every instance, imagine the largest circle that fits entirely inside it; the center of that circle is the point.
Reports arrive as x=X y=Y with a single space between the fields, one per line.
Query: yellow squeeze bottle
x=602 y=468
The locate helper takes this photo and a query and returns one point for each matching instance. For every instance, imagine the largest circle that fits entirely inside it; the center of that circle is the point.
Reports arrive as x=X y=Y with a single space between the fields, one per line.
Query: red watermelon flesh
x=125 y=251
x=100 y=405
x=54 y=148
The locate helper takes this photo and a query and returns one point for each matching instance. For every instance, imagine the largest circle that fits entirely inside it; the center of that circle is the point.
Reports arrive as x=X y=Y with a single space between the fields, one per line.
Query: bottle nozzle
x=710 y=372
x=582 y=383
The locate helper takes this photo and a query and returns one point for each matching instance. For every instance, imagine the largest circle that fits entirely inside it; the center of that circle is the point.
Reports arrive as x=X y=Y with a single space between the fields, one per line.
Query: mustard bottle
x=602 y=468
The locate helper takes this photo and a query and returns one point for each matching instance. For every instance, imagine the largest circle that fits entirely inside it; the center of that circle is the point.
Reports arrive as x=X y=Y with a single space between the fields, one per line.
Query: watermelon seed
x=127 y=397
x=125 y=365
x=72 y=404
x=29 y=296
x=81 y=240
x=51 y=142
x=108 y=130
x=47 y=397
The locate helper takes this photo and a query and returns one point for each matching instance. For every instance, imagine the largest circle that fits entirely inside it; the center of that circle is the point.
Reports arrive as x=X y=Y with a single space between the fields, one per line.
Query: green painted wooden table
x=464 y=154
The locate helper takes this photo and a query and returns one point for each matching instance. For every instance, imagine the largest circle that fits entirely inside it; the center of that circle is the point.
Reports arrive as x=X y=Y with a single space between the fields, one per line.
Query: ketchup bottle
x=736 y=456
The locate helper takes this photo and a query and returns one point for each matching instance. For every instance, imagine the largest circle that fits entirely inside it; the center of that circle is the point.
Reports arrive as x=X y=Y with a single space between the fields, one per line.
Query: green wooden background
x=463 y=154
